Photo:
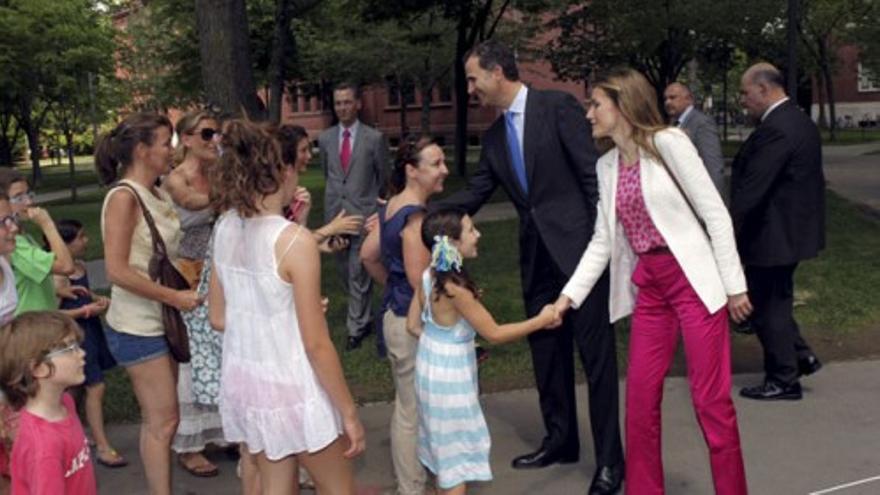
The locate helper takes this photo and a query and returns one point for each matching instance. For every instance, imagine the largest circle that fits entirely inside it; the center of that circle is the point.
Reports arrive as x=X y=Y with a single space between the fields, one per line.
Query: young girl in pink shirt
x=40 y=358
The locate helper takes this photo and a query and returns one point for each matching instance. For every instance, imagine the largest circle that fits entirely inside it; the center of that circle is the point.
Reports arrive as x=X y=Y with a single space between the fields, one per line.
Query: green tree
x=656 y=38
x=825 y=25
x=44 y=44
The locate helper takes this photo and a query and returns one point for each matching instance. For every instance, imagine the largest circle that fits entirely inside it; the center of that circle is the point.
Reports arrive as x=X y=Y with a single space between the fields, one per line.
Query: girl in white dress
x=282 y=391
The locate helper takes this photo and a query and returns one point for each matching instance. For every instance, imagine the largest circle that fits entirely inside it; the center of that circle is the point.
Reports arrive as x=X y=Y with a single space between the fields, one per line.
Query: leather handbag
x=163 y=271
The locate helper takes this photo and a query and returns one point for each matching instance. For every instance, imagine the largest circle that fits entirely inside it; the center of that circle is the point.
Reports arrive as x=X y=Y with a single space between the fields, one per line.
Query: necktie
x=516 y=156
x=345 y=152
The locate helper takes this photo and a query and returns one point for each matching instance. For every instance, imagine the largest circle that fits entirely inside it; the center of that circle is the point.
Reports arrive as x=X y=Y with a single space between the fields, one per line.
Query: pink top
x=52 y=456
x=632 y=212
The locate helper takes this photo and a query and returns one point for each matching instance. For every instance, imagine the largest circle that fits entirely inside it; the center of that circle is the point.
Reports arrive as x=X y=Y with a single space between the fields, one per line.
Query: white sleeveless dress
x=270 y=398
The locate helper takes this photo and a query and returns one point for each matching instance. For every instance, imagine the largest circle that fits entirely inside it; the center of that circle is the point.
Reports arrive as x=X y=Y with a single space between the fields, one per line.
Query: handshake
x=551 y=314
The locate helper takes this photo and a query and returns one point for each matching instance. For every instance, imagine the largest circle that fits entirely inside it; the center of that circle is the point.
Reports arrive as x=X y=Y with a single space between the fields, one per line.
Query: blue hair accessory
x=444 y=256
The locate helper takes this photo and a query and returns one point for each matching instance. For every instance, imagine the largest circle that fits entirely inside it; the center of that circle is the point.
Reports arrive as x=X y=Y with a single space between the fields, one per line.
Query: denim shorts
x=129 y=350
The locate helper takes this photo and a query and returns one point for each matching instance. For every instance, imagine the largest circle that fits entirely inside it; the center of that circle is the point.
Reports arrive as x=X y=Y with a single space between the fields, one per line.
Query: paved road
x=830 y=438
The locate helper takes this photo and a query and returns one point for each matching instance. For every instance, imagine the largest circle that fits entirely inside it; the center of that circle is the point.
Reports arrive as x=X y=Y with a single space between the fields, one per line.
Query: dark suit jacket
x=560 y=161
x=778 y=190
x=356 y=189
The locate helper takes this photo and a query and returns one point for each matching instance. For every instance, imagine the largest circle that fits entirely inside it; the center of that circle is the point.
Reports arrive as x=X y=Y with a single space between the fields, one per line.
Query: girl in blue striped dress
x=446 y=313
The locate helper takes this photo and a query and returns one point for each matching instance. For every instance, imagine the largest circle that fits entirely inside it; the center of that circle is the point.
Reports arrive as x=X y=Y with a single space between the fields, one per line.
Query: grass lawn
x=839 y=290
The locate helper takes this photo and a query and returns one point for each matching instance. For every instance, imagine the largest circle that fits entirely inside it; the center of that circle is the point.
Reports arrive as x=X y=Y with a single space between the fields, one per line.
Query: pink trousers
x=666 y=302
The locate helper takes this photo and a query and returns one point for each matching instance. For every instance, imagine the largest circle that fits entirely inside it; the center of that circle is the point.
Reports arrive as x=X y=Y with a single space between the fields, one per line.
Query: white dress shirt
x=773 y=107
x=518 y=108
x=352 y=133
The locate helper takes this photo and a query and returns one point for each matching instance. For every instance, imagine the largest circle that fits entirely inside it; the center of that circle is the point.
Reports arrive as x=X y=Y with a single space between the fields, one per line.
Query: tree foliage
x=47 y=50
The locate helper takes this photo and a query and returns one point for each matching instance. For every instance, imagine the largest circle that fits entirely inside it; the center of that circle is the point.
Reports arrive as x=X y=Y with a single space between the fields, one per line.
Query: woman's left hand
x=739 y=307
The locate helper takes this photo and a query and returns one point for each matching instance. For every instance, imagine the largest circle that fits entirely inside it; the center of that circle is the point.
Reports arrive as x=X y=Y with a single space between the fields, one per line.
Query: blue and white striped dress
x=453 y=438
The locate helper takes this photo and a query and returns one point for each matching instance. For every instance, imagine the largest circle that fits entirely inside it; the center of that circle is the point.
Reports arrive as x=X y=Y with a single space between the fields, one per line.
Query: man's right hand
x=562 y=304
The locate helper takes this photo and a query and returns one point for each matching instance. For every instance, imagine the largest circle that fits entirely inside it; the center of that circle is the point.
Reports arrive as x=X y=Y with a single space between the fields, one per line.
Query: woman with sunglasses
x=188 y=186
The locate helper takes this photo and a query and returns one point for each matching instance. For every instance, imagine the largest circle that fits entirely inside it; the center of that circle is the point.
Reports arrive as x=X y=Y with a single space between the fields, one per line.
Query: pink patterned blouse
x=643 y=236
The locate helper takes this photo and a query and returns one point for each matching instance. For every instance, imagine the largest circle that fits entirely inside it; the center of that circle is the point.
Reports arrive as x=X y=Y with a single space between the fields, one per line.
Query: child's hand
x=550 y=317
x=72 y=292
x=354 y=430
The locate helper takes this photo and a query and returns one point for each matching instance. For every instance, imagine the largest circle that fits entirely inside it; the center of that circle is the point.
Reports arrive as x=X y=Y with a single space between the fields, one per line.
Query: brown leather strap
x=158 y=242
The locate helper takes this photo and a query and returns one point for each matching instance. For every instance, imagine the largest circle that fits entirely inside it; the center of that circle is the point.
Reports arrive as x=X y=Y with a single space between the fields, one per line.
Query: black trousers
x=589 y=329
x=771 y=290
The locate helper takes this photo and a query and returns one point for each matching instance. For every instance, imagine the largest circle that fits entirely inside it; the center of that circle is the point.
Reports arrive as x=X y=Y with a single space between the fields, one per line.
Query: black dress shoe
x=808 y=365
x=772 y=390
x=542 y=458
x=607 y=480
x=354 y=342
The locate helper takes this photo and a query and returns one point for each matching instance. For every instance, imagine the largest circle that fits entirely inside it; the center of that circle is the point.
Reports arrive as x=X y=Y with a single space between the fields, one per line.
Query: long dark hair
x=289 y=136
x=113 y=153
x=408 y=153
x=446 y=221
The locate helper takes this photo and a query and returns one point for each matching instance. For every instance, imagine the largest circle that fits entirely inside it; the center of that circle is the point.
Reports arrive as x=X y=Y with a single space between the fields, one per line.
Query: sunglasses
x=22 y=198
x=9 y=221
x=208 y=133
x=72 y=347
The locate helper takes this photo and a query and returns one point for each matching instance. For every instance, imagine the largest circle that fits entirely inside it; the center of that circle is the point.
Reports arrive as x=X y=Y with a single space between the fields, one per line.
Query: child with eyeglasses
x=79 y=302
x=8 y=302
x=40 y=358
x=32 y=265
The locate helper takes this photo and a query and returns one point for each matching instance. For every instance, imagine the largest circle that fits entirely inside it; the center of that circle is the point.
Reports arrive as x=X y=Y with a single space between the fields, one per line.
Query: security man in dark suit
x=778 y=211
x=540 y=150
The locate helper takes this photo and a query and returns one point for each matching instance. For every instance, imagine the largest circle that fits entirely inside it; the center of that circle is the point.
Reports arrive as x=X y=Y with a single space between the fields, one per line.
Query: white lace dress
x=270 y=398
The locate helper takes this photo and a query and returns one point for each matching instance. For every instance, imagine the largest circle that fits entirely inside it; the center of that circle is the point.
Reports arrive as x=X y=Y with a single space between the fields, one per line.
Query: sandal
x=110 y=458
x=202 y=470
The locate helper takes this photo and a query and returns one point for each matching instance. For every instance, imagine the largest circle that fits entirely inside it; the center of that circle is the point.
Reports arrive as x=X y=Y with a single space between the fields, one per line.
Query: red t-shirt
x=52 y=457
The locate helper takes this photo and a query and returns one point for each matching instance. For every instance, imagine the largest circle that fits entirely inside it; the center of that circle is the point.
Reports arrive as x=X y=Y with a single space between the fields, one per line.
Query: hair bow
x=444 y=256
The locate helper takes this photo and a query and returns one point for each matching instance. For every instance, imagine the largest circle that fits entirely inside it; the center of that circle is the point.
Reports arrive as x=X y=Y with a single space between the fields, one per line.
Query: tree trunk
x=426 y=111
x=277 y=71
x=820 y=86
x=224 y=50
x=461 y=98
x=829 y=90
x=404 y=127
x=68 y=141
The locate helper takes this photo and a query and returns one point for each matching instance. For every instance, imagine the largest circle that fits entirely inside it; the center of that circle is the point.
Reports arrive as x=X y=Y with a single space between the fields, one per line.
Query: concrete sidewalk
x=830 y=438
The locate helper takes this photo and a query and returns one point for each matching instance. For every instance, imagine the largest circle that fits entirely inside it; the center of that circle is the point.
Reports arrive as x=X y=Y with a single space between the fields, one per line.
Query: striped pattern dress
x=453 y=438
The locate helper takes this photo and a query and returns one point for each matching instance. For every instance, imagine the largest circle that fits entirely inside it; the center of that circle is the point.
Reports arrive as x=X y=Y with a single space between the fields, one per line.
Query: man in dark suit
x=679 y=103
x=354 y=157
x=540 y=150
x=778 y=211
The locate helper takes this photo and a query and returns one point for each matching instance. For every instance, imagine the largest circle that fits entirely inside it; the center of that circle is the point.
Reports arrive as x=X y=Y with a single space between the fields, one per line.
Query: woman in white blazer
x=668 y=271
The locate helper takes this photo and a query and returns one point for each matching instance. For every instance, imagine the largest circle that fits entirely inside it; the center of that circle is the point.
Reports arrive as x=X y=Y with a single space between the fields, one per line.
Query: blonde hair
x=636 y=100
x=187 y=125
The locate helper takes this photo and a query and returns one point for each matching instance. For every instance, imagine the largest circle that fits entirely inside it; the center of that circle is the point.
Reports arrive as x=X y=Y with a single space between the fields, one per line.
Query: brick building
x=856 y=91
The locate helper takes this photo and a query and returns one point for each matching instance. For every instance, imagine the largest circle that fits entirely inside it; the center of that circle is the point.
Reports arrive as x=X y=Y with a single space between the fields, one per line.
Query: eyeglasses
x=72 y=347
x=22 y=198
x=9 y=221
x=207 y=133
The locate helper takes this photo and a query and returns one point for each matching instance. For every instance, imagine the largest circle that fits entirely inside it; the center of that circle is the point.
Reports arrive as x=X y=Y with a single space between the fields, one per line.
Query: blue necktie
x=516 y=156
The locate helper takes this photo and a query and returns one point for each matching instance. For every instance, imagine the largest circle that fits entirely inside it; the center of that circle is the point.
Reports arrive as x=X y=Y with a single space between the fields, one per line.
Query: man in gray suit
x=679 y=103
x=354 y=157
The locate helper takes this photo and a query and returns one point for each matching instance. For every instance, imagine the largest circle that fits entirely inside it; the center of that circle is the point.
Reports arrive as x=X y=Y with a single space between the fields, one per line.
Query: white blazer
x=711 y=264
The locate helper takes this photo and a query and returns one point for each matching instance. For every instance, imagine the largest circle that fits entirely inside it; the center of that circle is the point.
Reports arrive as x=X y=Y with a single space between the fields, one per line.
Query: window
x=867 y=80
x=293 y=94
x=405 y=88
x=444 y=92
x=393 y=91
